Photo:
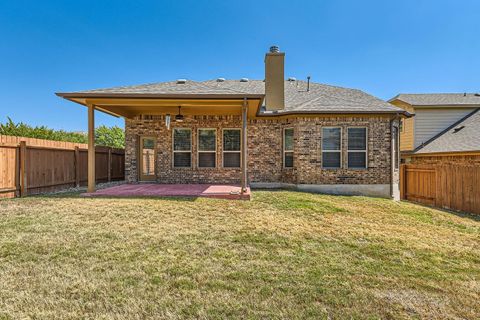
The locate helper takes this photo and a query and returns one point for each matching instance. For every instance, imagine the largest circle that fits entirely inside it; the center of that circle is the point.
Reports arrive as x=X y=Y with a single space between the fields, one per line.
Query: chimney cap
x=274 y=49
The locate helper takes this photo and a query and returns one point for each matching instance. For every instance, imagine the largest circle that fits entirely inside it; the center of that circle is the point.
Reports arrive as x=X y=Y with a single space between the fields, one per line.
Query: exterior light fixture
x=167 y=121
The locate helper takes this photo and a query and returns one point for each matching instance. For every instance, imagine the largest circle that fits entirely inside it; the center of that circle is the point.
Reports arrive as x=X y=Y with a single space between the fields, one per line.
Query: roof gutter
x=91 y=95
x=434 y=104
x=286 y=113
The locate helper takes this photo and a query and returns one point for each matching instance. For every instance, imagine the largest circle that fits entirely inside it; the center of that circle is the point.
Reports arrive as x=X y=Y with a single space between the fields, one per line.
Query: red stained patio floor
x=173 y=190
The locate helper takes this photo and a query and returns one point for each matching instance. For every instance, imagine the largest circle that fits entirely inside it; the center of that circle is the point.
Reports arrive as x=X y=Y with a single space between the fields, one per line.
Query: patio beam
x=244 y=145
x=91 y=148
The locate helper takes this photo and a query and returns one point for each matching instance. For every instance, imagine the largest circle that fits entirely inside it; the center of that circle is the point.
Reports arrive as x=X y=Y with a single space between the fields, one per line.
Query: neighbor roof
x=462 y=136
x=320 y=98
x=437 y=99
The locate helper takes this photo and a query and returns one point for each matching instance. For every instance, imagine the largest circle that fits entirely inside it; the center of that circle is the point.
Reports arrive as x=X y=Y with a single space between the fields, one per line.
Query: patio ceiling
x=129 y=107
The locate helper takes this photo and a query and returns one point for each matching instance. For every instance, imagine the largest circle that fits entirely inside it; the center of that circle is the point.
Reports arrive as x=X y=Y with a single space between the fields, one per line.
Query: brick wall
x=265 y=157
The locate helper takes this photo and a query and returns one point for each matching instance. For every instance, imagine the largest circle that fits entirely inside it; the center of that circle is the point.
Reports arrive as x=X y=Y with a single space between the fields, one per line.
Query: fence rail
x=455 y=187
x=32 y=166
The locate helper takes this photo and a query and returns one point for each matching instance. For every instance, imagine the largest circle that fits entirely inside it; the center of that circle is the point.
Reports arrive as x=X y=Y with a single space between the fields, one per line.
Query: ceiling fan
x=179 y=116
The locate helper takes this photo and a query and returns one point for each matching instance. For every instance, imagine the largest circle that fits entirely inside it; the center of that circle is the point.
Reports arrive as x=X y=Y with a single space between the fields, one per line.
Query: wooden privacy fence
x=455 y=187
x=33 y=166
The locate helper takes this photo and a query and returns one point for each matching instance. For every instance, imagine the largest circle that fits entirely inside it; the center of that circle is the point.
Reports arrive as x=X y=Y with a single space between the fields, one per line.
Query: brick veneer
x=265 y=163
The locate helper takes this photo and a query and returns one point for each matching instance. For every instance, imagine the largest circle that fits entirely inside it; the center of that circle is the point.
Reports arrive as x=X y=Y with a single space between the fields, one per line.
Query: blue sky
x=381 y=47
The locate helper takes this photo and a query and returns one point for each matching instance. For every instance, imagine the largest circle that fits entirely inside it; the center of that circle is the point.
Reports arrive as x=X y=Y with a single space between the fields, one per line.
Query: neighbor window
x=357 y=148
x=331 y=148
x=231 y=148
x=288 y=148
x=207 y=147
x=182 y=148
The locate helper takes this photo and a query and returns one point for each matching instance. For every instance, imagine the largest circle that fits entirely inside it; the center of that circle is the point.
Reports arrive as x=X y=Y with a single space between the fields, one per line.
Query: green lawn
x=282 y=255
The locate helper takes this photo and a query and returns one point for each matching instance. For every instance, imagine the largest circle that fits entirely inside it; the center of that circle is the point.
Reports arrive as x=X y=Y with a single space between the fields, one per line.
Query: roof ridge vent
x=220 y=79
x=181 y=81
x=292 y=79
x=244 y=80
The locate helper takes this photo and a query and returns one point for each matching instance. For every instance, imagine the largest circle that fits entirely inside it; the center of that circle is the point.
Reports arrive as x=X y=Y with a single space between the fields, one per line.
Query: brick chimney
x=274 y=79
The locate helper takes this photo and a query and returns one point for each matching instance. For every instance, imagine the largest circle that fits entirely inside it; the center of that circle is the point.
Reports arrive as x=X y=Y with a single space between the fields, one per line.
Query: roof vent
x=274 y=49
x=244 y=80
x=220 y=79
x=181 y=81
x=458 y=129
x=292 y=79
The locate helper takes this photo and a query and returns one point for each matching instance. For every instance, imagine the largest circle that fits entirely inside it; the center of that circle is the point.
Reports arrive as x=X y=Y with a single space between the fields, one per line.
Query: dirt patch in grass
x=282 y=255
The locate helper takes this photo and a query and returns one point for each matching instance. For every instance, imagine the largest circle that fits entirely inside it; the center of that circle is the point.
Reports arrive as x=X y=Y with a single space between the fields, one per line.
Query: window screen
x=357 y=148
x=331 y=148
x=207 y=145
x=231 y=148
x=288 y=148
x=182 y=148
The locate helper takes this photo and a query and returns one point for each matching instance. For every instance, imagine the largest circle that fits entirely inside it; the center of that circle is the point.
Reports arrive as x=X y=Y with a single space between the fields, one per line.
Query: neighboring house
x=457 y=144
x=263 y=133
x=445 y=170
x=433 y=114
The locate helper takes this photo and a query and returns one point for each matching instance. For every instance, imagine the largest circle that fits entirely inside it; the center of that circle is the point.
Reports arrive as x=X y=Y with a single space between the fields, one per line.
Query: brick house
x=262 y=133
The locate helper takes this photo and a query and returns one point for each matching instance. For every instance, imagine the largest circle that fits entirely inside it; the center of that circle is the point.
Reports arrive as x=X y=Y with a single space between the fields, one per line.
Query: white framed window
x=182 y=148
x=288 y=148
x=331 y=147
x=207 y=148
x=357 y=148
x=232 y=146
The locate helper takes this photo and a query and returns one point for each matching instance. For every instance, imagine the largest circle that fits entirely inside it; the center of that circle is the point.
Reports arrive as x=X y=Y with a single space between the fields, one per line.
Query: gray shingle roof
x=190 y=87
x=454 y=140
x=320 y=97
x=436 y=99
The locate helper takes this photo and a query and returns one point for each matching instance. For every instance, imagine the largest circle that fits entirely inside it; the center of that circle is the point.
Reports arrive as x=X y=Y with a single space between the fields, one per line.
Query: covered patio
x=231 y=192
x=166 y=106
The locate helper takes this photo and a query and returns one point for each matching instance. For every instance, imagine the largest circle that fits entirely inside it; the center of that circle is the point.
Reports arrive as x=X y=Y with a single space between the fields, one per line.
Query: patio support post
x=244 y=146
x=91 y=148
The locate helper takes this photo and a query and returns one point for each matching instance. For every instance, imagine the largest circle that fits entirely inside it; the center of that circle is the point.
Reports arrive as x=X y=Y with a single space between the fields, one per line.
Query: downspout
x=244 y=146
x=393 y=149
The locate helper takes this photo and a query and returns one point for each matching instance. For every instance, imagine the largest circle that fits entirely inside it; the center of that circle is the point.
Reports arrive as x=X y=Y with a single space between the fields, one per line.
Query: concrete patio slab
x=231 y=192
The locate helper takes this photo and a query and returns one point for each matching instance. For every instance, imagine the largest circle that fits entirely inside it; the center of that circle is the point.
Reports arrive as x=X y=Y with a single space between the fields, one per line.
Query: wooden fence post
x=109 y=174
x=23 y=169
x=77 y=166
x=17 y=171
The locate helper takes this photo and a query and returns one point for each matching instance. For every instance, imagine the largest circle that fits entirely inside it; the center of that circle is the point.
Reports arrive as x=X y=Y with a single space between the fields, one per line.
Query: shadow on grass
x=460 y=214
x=78 y=195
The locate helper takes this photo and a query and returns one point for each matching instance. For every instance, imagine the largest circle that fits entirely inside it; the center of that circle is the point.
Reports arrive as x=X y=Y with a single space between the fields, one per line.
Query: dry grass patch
x=282 y=255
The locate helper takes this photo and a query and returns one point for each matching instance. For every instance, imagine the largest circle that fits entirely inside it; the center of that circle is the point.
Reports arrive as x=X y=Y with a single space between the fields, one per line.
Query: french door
x=147 y=157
